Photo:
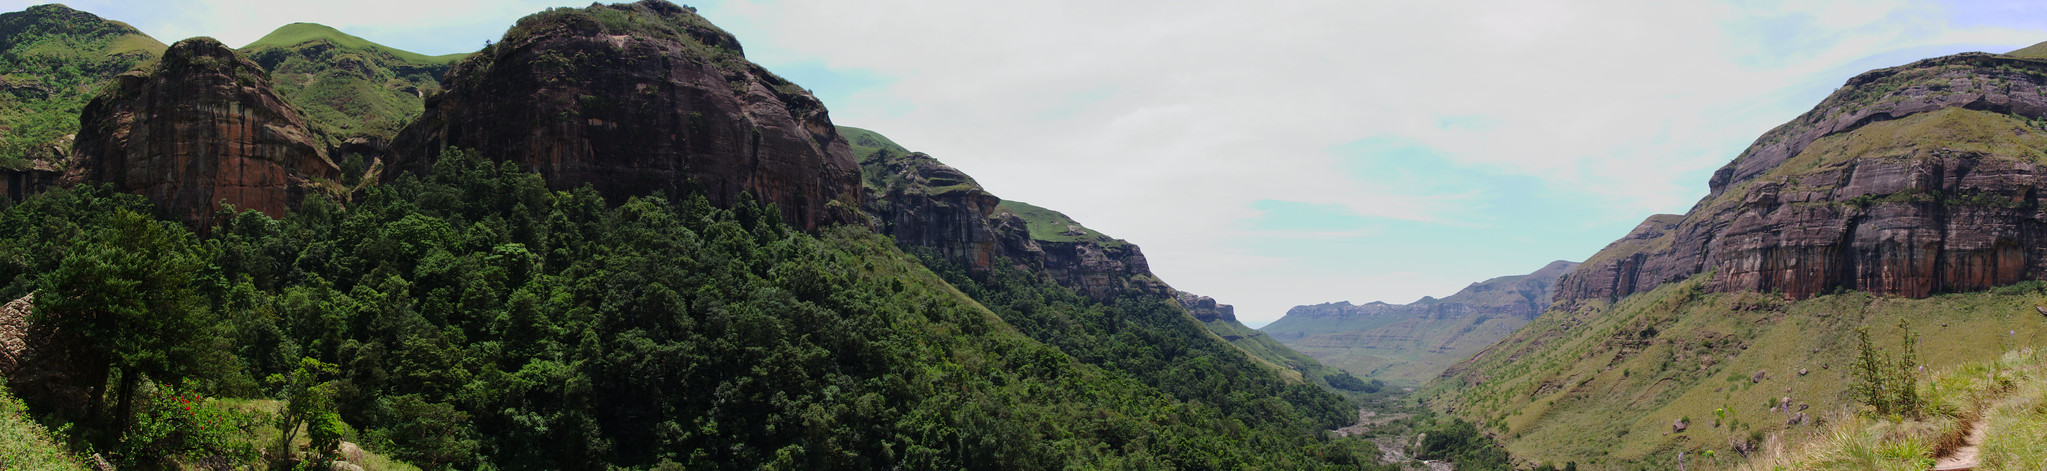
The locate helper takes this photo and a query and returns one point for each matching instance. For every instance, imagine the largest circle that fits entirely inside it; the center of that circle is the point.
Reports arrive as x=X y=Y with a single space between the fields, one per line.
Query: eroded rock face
x=47 y=366
x=200 y=129
x=1909 y=181
x=923 y=202
x=649 y=111
x=1205 y=309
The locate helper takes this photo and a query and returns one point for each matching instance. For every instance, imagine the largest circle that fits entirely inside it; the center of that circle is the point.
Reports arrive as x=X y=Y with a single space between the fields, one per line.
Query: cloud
x=1461 y=140
x=1618 y=109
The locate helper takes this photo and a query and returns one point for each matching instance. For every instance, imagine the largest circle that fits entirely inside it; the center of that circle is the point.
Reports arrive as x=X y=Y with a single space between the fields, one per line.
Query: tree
x=129 y=292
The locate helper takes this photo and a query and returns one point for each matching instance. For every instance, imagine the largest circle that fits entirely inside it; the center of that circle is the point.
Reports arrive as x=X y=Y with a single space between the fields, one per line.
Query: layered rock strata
x=1910 y=181
x=653 y=105
x=923 y=202
x=201 y=129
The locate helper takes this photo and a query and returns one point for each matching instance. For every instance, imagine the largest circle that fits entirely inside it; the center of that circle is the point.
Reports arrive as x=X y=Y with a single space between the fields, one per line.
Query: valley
x=612 y=239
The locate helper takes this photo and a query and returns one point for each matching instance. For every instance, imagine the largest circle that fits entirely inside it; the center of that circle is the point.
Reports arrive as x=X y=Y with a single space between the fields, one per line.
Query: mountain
x=349 y=88
x=1221 y=319
x=638 y=99
x=927 y=204
x=200 y=128
x=1410 y=344
x=52 y=60
x=1912 y=180
x=609 y=242
x=1903 y=206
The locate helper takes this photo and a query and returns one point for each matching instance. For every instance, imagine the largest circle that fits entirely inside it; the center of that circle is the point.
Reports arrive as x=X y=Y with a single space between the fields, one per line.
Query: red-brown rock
x=654 y=105
x=1909 y=181
x=203 y=127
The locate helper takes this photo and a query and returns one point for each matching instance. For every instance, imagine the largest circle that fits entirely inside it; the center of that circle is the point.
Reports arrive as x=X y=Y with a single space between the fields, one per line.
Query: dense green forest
x=472 y=318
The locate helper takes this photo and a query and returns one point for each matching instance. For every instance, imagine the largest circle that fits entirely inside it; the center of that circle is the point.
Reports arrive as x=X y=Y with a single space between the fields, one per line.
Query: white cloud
x=1217 y=104
x=1161 y=121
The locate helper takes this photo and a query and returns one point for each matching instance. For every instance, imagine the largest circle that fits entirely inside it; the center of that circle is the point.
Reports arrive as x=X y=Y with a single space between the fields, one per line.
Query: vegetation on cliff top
x=52 y=60
x=348 y=86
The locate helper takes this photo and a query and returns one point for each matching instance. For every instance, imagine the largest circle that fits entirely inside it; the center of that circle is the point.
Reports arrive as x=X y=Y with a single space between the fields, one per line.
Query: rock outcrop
x=656 y=103
x=926 y=203
x=203 y=127
x=1910 y=181
x=1205 y=309
x=47 y=366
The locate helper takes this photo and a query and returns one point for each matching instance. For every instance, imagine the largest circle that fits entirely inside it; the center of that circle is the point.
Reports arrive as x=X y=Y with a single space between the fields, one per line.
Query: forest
x=472 y=318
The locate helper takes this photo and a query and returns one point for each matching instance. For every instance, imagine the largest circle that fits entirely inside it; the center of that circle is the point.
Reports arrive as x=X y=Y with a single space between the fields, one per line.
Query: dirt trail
x=1964 y=458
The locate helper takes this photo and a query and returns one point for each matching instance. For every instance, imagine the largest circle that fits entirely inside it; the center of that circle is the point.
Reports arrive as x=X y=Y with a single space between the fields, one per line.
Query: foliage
x=129 y=292
x=475 y=318
x=348 y=86
x=1889 y=385
x=24 y=444
x=1343 y=380
x=52 y=59
x=1460 y=442
x=183 y=425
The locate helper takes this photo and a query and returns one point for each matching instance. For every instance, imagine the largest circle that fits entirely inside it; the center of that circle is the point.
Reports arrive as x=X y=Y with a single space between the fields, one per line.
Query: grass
x=1052 y=226
x=1602 y=384
x=866 y=144
x=299 y=33
x=348 y=86
x=68 y=55
x=2036 y=51
x=26 y=445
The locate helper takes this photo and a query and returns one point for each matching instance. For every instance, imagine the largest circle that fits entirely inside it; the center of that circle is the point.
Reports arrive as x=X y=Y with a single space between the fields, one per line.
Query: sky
x=1273 y=154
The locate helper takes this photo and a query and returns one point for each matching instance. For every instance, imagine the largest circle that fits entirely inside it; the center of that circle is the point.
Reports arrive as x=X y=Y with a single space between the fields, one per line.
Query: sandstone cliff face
x=203 y=127
x=1205 y=309
x=638 y=99
x=1909 y=181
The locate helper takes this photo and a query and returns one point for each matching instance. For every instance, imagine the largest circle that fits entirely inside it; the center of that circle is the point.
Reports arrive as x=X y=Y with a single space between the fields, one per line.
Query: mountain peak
x=301 y=33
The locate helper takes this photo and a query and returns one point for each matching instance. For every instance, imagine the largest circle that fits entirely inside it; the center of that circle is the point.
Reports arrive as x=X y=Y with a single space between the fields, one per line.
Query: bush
x=189 y=427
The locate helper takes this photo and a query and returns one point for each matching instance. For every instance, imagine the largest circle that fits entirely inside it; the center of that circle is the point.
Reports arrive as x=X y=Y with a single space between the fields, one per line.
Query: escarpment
x=200 y=129
x=926 y=203
x=1910 y=181
x=639 y=99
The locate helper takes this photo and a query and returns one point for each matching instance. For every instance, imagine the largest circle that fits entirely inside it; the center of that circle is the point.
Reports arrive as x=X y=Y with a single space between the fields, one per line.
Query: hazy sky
x=1271 y=154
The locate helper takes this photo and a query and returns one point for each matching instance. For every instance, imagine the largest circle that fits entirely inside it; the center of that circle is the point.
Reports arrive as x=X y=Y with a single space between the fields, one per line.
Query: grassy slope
x=1046 y=225
x=346 y=85
x=27 y=445
x=52 y=58
x=1602 y=384
x=300 y=33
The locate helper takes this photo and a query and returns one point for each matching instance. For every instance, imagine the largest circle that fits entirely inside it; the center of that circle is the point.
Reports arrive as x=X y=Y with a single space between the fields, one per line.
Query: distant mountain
x=349 y=87
x=1409 y=344
x=52 y=61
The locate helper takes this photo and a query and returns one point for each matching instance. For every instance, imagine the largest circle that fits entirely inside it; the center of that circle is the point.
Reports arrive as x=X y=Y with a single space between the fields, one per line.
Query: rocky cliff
x=1910 y=181
x=1411 y=343
x=636 y=99
x=201 y=128
x=923 y=202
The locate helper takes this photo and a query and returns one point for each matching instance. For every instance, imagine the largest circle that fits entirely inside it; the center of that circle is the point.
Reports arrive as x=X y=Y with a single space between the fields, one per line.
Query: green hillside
x=1602 y=384
x=52 y=60
x=300 y=33
x=348 y=86
x=475 y=317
